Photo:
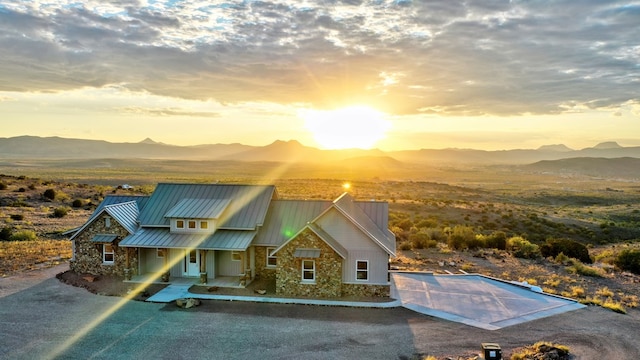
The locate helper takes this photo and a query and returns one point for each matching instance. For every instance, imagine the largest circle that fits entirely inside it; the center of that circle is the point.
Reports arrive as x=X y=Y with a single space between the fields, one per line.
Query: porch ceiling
x=163 y=238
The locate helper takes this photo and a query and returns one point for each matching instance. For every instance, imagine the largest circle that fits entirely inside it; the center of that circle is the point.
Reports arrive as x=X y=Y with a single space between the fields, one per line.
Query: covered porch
x=222 y=259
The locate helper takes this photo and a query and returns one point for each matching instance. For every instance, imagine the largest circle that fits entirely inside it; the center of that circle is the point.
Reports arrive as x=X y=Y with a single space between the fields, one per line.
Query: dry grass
x=18 y=256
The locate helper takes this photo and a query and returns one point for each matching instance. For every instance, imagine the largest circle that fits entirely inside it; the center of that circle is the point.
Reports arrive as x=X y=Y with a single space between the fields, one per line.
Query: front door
x=191 y=263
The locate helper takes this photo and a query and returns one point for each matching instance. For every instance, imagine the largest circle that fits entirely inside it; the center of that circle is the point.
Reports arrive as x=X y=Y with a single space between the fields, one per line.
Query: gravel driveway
x=39 y=318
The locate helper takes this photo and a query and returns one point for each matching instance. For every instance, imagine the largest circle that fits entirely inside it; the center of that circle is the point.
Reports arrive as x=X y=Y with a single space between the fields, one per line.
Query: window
x=107 y=254
x=362 y=270
x=308 y=271
x=180 y=224
x=204 y=224
x=271 y=259
x=107 y=222
x=236 y=256
x=160 y=253
x=192 y=224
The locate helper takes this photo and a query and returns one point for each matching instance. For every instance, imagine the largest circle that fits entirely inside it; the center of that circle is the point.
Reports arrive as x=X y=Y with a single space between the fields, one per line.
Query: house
x=230 y=235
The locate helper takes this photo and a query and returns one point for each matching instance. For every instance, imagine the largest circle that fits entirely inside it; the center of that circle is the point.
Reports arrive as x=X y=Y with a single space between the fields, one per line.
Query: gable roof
x=247 y=208
x=349 y=208
x=141 y=200
x=286 y=218
x=126 y=214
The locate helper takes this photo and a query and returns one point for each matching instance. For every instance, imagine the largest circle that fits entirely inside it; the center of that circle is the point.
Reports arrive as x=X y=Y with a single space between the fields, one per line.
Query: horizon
x=149 y=140
x=390 y=75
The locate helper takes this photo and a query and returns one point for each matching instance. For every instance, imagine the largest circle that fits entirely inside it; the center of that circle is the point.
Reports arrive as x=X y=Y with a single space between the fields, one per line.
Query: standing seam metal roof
x=163 y=238
x=247 y=209
x=198 y=208
x=286 y=218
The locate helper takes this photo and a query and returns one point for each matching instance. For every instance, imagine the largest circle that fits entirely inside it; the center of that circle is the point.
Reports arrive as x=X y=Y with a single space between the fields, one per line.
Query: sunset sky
x=373 y=73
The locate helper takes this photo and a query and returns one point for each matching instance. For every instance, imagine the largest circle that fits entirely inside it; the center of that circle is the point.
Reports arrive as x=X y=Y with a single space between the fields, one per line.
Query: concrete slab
x=475 y=300
x=178 y=291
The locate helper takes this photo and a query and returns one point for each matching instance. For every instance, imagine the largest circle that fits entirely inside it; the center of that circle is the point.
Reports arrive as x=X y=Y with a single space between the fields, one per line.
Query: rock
x=187 y=303
x=213 y=289
x=452 y=263
x=441 y=263
x=260 y=291
x=90 y=278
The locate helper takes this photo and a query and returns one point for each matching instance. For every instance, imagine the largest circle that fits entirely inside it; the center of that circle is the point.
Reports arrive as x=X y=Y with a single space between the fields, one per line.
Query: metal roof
x=286 y=218
x=333 y=243
x=306 y=253
x=247 y=209
x=162 y=238
x=348 y=207
x=119 y=199
x=198 y=208
x=103 y=238
x=126 y=214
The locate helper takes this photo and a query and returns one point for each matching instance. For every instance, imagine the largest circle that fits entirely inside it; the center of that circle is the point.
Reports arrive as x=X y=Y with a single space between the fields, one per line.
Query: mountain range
x=33 y=147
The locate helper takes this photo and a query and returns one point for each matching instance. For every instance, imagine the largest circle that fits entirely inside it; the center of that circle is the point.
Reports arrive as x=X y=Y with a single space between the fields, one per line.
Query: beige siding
x=211 y=264
x=150 y=261
x=176 y=257
x=226 y=266
x=359 y=247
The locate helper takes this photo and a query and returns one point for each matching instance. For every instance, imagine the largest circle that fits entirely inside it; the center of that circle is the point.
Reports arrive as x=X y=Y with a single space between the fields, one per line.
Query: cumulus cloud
x=405 y=57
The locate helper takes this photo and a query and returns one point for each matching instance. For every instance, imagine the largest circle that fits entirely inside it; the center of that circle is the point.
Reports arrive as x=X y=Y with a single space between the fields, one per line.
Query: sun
x=352 y=127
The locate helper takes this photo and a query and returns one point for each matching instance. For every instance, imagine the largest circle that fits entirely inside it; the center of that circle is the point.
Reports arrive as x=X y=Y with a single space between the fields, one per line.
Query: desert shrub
x=561 y=258
x=614 y=306
x=522 y=248
x=460 y=237
x=23 y=235
x=3 y=186
x=542 y=350
x=77 y=203
x=405 y=245
x=421 y=240
x=60 y=212
x=604 y=292
x=5 y=233
x=22 y=189
x=577 y=292
x=17 y=217
x=570 y=248
x=629 y=260
x=32 y=186
x=496 y=240
x=579 y=268
x=49 y=194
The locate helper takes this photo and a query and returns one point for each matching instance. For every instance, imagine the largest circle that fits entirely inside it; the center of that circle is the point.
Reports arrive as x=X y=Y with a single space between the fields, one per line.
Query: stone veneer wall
x=328 y=269
x=88 y=254
x=262 y=272
x=359 y=290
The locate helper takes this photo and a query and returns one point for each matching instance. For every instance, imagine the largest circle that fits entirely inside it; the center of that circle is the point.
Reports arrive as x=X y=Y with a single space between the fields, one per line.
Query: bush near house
x=570 y=248
x=23 y=235
x=522 y=248
x=60 y=212
x=629 y=260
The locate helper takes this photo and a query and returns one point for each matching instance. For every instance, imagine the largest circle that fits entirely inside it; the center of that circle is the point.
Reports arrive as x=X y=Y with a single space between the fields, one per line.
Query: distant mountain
x=628 y=168
x=607 y=145
x=555 y=147
x=33 y=147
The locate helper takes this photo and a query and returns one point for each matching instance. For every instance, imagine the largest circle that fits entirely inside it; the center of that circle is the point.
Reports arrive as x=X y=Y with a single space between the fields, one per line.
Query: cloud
x=404 y=57
x=168 y=112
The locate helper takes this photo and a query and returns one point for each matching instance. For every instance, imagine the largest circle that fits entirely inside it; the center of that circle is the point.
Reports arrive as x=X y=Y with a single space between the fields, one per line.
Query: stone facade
x=364 y=290
x=262 y=272
x=328 y=269
x=88 y=254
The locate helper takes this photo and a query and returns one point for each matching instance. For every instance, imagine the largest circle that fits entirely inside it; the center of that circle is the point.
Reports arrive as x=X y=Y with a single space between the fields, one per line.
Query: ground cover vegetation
x=570 y=235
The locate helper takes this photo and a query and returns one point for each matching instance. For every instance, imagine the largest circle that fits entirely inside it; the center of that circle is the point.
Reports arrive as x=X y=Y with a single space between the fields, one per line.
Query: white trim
x=105 y=252
x=235 y=253
x=312 y=270
x=366 y=271
x=270 y=256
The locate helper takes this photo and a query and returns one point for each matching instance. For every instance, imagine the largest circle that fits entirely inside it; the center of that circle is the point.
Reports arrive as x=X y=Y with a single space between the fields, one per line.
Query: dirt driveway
x=45 y=319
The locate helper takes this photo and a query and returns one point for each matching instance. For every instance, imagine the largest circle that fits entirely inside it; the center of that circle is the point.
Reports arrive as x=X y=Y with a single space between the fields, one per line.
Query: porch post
x=203 y=266
x=127 y=264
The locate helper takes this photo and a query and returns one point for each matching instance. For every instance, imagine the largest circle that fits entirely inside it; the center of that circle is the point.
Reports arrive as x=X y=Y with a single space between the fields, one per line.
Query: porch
x=237 y=282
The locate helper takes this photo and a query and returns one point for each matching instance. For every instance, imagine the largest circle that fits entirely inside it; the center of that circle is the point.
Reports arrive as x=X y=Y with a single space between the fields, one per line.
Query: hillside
x=625 y=167
x=32 y=147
